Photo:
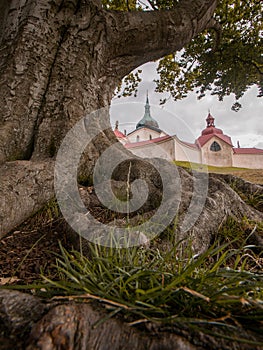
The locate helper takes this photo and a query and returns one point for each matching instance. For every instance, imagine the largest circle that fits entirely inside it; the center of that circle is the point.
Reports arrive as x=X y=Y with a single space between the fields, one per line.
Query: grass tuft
x=147 y=284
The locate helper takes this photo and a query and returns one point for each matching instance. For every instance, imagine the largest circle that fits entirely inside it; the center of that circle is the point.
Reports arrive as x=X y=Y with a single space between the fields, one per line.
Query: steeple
x=210 y=126
x=210 y=121
x=147 y=120
x=147 y=101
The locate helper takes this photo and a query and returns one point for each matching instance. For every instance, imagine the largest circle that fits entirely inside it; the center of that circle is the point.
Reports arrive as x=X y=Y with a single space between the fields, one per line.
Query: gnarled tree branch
x=151 y=35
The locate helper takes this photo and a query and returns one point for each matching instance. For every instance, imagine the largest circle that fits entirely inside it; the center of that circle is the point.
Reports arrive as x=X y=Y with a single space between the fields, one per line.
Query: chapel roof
x=253 y=150
x=117 y=132
x=147 y=120
x=211 y=131
x=148 y=142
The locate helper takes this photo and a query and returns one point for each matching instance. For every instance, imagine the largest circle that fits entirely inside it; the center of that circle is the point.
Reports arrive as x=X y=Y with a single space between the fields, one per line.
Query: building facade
x=212 y=147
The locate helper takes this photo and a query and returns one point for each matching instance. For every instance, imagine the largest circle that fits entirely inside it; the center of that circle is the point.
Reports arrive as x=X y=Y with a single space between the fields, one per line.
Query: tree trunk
x=53 y=60
x=59 y=61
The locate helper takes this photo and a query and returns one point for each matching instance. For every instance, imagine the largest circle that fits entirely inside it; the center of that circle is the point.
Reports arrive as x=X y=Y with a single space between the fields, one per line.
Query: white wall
x=163 y=149
x=144 y=134
x=252 y=161
x=220 y=158
x=174 y=149
x=186 y=153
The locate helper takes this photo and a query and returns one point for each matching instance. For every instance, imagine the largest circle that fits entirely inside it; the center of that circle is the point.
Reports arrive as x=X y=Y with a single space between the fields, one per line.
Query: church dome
x=210 y=126
x=211 y=131
x=147 y=120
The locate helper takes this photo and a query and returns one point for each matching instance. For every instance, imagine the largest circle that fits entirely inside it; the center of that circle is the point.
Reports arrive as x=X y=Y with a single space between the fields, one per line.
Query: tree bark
x=59 y=61
x=27 y=322
x=152 y=35
x=25 y=188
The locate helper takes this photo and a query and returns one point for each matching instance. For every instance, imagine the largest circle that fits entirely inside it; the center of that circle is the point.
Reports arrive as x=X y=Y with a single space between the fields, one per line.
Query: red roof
x=148 y=142
x=248 y=150
x=212 y=130
x=206 y=137
x=193 y=145
x=119 y=134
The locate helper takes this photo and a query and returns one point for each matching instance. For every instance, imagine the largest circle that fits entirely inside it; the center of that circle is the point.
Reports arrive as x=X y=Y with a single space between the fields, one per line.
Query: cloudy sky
x=186 y=118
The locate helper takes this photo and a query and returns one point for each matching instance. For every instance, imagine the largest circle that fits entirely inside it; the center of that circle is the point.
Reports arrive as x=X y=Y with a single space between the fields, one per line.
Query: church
x=212 y=147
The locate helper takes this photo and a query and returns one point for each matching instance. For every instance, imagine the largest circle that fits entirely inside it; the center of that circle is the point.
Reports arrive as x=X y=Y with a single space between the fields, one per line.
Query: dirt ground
x=30 y=251
x=27 y=252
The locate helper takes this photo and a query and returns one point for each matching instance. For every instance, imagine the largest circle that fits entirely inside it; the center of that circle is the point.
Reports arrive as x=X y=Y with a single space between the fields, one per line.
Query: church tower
x=147 y=120
x=216 y=147
x=147 y=127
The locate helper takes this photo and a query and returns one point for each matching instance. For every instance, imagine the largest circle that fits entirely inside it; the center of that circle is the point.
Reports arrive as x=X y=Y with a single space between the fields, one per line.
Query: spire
x=147 y=107
x=147 y=120
x=210 y=121
x=147 y=98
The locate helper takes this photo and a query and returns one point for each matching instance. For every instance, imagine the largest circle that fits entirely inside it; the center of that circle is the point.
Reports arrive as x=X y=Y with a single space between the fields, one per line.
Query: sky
x=186 y=118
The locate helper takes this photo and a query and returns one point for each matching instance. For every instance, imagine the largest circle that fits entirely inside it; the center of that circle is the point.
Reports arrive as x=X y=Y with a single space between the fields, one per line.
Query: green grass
x=209 y=168
x=219 y=292
x=254 y=199
x=147 y=284
x=252 y=175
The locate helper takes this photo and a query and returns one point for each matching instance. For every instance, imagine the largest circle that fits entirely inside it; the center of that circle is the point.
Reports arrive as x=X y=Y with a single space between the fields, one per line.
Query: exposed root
x=26 y=186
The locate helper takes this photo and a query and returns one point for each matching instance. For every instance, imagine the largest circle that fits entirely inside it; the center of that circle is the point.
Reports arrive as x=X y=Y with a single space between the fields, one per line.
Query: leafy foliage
x=231 y=65
x=120 y=5
x=131 y=83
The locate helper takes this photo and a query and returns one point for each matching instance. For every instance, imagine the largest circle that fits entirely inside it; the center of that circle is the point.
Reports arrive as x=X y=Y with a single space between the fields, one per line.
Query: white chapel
x=212 y=147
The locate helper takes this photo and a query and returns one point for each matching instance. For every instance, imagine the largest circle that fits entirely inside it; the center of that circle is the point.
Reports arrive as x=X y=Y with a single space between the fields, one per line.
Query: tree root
x=26 y=186
x=29 y=323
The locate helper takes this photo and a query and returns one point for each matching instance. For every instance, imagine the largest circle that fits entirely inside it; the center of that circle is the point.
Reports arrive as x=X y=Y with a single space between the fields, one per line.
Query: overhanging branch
x=150 y=35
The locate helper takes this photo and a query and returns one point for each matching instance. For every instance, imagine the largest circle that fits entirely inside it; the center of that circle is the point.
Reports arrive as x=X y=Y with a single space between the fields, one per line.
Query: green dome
x=147 y=120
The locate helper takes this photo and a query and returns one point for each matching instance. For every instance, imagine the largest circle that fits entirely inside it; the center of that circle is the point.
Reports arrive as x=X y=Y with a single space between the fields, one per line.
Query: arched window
x=137 y=138
x=215 y=147
x=150 y=137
